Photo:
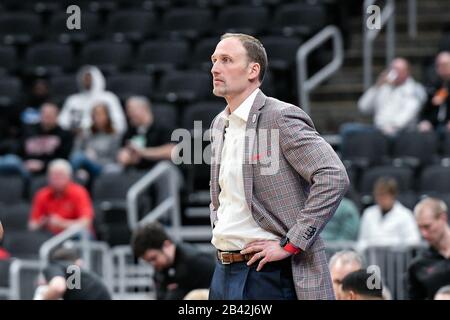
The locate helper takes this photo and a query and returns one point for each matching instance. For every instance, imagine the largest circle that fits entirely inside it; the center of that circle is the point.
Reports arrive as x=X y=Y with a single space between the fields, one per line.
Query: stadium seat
x=185 y=87
x=25 y=244
x=190 y=23
x=444 y=43
x=404 y=177
x=242 y=19
x=204 y=111
x=167 y=113
x=445 y=146
x=162 y=55
x=126 y=85
x=299 y=19
x=57 y=28
x=8 y=59
x=15 y=217
x=110 y=57
x=131 y=25
x=364 y=149
x=48 y=58
x=12 y=189
x=282 y=51
x=10 y=91
x=19 y=27
x=63 y=86
x=414 y=149
x=203 y=50
x=435 y=179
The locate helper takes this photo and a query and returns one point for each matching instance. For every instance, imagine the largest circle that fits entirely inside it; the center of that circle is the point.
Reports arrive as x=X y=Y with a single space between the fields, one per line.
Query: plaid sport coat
x=293 y=184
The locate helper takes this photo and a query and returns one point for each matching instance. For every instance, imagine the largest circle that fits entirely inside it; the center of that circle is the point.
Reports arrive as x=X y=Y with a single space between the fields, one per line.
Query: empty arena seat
x=12 y=189
x=25 y=244
x=131 y=25
x=110 y=57
x=63 y=86
x=126 y=85
x=57 y=28
x=363 y=149
x=162 y=55
x=435 y=179
x=15 y=217
x=48 y=58
x=282 y=51
x=187 y=22
x=8 y=59
x=10 y=91
x=242 y=19
x=414 y=149
x=185 y=86
x=19 y=27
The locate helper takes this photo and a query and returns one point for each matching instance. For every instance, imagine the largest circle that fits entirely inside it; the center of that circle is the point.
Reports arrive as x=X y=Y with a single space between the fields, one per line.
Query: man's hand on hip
x=267 y=250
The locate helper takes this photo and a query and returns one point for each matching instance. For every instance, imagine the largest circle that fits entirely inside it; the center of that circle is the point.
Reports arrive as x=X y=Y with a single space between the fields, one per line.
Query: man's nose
x=214 y=69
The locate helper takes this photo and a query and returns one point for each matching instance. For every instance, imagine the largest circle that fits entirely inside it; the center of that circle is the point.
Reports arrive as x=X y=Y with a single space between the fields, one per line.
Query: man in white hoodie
x=76 y=113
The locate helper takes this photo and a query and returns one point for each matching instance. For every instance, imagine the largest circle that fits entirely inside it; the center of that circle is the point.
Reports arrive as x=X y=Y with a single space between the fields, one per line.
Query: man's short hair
x=444 y=290
x=437 y=206
x=358 y=282
x=142 y=100
x=255 y=50
x=346 y=257
x=60 y=164
x=386 y=185
x=150 y=236
x=64 y=254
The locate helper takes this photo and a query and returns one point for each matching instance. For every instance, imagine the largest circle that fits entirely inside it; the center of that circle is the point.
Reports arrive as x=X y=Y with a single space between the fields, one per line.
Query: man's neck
x=444 y=244
x=236 y=101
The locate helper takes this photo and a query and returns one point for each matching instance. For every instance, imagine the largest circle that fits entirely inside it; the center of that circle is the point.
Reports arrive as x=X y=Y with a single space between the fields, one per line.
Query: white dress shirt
x=235 y=226
x=396 y=227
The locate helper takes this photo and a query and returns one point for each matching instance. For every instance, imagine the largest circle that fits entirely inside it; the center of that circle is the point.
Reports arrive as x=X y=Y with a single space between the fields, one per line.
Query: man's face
x=431 y=228
x=338 y=272
x=442 y=296
x=49 y=115
x=137 y=114
x=158 y=258
x=443 y=66
x=401 y=67
x=58 y=179
x=87 y=81
x=385 y=200
x=231 y=69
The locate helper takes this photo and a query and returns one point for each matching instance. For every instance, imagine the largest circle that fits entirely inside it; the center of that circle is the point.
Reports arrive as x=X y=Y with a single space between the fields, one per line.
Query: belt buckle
x=222 y=259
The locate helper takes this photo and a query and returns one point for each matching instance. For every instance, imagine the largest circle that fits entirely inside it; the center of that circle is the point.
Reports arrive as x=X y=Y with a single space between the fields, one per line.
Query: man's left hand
x=267 y=250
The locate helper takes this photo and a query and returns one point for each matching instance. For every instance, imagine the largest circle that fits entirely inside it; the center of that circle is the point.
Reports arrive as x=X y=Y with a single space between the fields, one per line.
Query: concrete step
x=328 y=116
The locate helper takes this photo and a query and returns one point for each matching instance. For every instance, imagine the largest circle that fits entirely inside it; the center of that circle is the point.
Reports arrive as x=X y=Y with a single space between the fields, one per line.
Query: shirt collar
x=243 y=110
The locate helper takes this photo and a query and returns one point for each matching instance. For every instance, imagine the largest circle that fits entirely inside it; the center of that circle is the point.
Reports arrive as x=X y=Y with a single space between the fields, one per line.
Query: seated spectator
x=362 y=285
x=77 y=109
x=146 y=142
x=443 y=293
x=40 y=144
x=341 y=264
x=61 y=282
x=39 y=95
x=175 y=263
x=395 y=100
x=430 y=271
x=436 y=113
x=388 y=222
x=95 y=150
x=62 y=203
x=344 y=225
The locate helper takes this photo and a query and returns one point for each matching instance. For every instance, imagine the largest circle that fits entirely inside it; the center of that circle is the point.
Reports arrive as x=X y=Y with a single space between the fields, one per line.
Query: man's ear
x=255 y=69
x=352 y=295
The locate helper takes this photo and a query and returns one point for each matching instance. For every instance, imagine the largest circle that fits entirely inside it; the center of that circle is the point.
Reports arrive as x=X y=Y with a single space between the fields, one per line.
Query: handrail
x=14 y=275
x=412 y=18
x=73 y=231
x=387 y=18
x=162 y=169
x=306 y=85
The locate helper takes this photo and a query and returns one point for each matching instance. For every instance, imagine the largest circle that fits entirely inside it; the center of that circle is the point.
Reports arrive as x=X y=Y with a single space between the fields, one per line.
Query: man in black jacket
x=430 y=271
x=180 y=267
x=436 y=113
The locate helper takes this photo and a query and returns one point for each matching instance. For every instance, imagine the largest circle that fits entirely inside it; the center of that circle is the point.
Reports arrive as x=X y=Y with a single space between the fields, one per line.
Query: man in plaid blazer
x=275 y=183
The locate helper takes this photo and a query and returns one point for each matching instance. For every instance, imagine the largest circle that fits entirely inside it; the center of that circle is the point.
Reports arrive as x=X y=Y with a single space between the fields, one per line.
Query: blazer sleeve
x=317 y=163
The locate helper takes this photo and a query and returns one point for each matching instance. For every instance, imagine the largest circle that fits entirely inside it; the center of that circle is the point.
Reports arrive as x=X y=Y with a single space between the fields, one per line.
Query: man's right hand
x=425 y=126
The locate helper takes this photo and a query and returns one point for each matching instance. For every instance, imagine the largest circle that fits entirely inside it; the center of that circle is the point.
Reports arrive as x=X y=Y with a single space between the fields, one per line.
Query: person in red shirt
x=62 y=203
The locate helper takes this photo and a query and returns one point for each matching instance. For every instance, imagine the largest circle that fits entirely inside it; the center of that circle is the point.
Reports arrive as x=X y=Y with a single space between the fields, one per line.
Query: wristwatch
x=284 y=241
x=289 y=247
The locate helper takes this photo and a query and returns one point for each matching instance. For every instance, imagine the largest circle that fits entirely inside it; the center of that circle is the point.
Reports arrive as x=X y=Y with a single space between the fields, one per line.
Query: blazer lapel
x=251 y=136
x=219 y=132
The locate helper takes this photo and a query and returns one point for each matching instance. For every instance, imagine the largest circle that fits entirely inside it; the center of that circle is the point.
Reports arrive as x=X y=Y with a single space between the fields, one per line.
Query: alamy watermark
x=373 y=21
x=73 y=22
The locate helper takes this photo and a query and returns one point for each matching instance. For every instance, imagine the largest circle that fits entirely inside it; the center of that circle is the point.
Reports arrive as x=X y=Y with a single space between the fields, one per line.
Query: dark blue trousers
x=237 y=281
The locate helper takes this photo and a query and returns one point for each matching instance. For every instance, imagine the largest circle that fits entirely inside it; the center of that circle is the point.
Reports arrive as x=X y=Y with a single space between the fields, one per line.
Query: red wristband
x=291 y=248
